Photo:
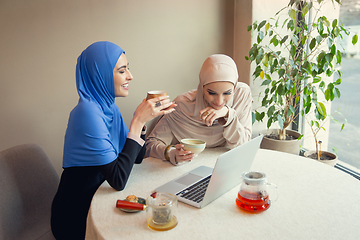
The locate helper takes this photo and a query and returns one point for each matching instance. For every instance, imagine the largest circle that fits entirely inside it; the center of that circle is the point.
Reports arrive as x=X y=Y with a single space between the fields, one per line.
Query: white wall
x=165 y=42
x=262 y=10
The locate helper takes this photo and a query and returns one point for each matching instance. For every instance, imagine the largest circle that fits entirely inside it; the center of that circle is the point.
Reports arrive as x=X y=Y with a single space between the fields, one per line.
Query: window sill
x=342 y=166
x=353 y=171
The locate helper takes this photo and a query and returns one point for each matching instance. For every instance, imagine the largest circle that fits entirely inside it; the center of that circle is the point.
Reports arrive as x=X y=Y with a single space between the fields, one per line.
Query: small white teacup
x=196 y=146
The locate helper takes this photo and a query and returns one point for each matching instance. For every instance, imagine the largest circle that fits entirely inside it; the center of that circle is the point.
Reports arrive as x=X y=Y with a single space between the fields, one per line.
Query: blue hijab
x=96 y=132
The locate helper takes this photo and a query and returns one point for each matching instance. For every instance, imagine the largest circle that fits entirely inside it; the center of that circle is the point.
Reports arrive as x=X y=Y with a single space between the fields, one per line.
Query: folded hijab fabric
x=96 y=131
x=185 y=121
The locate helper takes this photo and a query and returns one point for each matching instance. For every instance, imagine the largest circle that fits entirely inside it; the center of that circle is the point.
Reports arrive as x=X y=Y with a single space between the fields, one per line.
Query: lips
x=217 y=106
x=125 y=86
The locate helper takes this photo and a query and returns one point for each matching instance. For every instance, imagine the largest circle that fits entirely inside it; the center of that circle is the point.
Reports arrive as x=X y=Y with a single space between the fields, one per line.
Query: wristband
x=166 y=152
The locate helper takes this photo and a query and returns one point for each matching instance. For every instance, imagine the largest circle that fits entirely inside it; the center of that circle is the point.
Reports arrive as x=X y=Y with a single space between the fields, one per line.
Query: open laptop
x=214 y=181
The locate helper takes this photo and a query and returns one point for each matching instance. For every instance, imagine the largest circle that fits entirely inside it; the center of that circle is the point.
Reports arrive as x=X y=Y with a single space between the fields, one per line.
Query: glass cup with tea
x=161 y=211
x=253 y=195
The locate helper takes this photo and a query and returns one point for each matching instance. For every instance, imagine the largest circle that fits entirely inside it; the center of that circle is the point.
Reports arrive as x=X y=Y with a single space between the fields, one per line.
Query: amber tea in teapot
x=253 y=194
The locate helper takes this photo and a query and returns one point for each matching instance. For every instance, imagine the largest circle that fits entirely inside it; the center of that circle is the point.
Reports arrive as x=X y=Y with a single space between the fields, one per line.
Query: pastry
x=131 y=198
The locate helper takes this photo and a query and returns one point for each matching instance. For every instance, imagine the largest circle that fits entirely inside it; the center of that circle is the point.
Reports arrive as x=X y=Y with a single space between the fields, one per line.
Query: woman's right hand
x=208 y=115
x=148 y=110
x=182 y=155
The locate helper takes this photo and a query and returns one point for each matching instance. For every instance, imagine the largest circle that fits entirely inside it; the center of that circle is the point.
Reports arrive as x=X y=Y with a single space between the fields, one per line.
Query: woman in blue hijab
x=98 y=145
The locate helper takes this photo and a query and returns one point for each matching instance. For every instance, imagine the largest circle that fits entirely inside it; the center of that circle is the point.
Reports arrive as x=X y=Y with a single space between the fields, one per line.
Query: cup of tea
x=195 y=146
x=155 y=94
x=253 y=195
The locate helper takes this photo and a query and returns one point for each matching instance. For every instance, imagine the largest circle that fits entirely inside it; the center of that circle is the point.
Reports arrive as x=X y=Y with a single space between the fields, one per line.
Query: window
x=347 y=142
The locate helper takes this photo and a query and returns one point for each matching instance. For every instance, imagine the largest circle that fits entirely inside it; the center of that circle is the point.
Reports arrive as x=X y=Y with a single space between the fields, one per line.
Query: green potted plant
x=295 y=59
x=316 y=125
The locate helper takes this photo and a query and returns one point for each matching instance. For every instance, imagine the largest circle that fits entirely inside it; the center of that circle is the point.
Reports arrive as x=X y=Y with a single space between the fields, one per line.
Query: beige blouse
x=235 y=131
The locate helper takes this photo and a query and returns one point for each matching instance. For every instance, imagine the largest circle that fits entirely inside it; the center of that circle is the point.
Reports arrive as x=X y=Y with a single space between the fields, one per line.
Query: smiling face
x=217 y=94
x=122 y=77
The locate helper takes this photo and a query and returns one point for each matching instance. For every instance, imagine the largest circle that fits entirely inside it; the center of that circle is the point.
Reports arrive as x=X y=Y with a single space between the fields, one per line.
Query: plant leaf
x=338 y=81
x=317 y=79
x=267 y=26
x=281 y=72
x=280 y=121
x=327 y=94
x=334 y=23
x=292 y=109
x=261 y=25
x=321 y=108
x=337 y=93
x=292 y=14
x=284 y=39
x=305 y=9
x=271 y=111
x=354 y=39
x=262 y=74
x=312 y=43
x=265 y=82
x=269 y=122
x=338 y=57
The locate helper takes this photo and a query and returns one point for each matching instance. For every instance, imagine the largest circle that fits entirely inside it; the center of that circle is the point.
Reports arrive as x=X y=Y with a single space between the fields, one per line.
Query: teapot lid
x=254 y=178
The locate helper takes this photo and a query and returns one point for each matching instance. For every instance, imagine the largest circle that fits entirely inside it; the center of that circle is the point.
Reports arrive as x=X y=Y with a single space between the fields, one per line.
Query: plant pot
x=331 y=158
x=288 y=146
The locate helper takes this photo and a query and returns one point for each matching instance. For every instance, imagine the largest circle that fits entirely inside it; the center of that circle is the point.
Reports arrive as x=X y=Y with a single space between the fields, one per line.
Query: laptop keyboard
x=196 y=191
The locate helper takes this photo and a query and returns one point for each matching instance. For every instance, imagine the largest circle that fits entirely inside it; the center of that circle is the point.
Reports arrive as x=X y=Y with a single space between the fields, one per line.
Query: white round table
x=315 y=201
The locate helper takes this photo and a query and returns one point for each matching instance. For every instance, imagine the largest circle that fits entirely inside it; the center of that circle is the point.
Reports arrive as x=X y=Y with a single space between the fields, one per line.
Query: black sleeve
x=141 y=154
x=117 y=172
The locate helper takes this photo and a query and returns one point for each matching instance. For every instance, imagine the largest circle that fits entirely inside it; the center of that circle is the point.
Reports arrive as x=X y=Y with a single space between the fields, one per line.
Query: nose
x=219 y=100
x=129 y=76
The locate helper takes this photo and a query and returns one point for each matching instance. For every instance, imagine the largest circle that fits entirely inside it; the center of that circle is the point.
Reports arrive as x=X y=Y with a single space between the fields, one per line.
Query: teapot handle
x=273 y=199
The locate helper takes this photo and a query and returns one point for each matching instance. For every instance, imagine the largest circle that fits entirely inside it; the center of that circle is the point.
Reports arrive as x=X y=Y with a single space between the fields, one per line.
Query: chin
x=217 y=107
x=123 y=94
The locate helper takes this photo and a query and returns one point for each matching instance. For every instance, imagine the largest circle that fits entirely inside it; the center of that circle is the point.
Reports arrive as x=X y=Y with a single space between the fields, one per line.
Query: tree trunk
x=282 y=134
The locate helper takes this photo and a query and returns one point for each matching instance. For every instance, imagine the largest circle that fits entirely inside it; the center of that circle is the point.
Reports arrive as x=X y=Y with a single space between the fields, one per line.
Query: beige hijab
x=185 y=121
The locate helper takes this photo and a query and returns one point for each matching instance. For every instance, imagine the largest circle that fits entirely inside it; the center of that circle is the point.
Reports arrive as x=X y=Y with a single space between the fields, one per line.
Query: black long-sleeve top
x=79 y=184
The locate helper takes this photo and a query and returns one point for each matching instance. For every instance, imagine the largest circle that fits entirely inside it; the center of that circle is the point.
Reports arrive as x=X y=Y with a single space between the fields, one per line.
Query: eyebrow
x=123 y=66
x=212 y=91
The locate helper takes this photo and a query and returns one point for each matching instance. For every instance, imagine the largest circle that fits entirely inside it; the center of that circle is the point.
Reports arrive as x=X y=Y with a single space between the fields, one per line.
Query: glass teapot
x=253 y=195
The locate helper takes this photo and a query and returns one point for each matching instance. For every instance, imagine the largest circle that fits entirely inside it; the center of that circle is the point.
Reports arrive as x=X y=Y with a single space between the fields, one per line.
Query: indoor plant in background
x=296 y=58
x=316 y=125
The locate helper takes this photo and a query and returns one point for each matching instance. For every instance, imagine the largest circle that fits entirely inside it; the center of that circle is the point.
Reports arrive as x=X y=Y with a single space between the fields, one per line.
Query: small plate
x=140 y=200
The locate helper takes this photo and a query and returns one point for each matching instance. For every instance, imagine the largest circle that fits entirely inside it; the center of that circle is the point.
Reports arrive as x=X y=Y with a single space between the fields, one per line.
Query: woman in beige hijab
x=218 y=112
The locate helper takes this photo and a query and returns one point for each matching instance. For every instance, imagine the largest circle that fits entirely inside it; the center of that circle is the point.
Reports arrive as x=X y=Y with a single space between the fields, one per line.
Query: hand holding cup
x=160 y=100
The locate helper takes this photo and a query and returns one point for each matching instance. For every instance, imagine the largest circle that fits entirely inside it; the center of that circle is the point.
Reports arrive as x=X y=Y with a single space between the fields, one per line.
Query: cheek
x=227 y=98
x=208 y=97
x=118 y=81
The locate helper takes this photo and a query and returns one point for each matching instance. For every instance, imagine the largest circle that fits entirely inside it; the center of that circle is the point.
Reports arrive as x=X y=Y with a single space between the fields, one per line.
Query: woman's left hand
x=209 y=115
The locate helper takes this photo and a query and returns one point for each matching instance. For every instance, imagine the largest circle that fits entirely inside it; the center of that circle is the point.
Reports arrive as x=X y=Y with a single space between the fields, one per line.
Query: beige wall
x=165 y=42
x=242 y=38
